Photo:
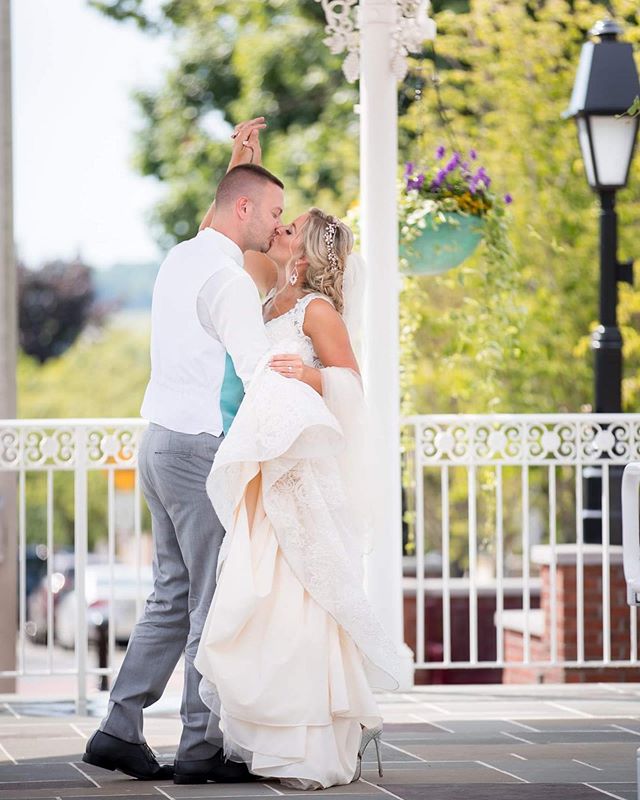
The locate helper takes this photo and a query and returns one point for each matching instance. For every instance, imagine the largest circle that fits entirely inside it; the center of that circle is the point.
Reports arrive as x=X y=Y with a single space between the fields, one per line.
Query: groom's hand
x=289 y=365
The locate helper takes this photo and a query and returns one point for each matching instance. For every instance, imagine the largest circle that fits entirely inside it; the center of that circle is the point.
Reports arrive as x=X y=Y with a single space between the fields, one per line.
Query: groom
x=205 y=306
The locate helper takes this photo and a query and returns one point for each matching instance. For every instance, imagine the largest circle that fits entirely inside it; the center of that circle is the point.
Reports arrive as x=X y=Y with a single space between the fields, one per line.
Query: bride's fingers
x=254 y=121
x=283 y=366
x=285 y=362
x=289 y=366
x=245 y=127
x=249 y=131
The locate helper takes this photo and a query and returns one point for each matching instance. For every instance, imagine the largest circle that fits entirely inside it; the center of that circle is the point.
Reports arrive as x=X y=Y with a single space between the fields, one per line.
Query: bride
x=291 y=648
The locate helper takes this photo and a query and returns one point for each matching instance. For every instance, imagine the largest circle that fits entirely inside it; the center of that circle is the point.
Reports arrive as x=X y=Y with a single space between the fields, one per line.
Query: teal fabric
x=231 y=394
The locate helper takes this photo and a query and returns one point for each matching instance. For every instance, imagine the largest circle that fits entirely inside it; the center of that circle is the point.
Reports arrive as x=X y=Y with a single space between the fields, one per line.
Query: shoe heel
x=369 y=735
x=97 y=761
x=376 y=741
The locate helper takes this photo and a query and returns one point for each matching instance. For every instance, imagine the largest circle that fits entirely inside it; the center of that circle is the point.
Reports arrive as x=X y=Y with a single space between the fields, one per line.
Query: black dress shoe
x=137 y=760
x=217 y=769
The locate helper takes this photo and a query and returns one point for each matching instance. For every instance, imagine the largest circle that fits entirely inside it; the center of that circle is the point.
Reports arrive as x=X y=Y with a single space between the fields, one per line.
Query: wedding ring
x=245 y=143
x=290 y=368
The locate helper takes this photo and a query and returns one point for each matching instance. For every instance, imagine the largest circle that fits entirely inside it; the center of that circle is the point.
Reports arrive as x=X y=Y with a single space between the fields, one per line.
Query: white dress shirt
x=204 y=306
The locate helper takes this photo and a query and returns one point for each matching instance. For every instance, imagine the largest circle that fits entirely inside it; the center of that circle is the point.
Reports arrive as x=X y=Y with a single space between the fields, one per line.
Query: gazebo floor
x=563 y=742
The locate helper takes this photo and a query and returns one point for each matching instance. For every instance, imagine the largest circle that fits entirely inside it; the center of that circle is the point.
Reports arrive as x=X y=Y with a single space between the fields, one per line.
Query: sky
x=75 y=189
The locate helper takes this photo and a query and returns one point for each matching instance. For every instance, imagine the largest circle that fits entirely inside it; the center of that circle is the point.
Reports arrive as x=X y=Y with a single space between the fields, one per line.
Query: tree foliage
x=506 y=73
x=234 y=61
x=55 y=304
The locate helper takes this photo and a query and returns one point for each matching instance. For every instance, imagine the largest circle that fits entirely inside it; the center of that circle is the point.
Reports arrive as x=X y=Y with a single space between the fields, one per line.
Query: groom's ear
x=243 y=207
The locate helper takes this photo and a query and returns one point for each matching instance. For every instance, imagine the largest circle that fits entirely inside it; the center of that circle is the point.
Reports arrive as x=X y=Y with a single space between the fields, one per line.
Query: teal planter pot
x=444 y=246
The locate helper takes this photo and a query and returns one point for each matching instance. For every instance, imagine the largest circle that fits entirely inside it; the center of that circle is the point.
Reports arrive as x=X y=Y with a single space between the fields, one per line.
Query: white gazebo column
x=377 y=43
x=379 y=236
x=8 y=347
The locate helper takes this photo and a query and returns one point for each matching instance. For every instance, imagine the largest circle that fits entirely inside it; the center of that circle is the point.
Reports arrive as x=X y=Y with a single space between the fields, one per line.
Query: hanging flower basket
x=443 y=213
x=443 y=244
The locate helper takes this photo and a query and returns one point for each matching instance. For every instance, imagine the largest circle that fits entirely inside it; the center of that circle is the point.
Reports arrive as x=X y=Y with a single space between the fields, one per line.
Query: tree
x=504 y=94
x=55 y=304
x=234 y=61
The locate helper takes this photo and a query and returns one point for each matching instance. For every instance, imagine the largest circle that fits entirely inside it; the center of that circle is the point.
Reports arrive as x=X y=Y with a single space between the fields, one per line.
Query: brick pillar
x=566 y=627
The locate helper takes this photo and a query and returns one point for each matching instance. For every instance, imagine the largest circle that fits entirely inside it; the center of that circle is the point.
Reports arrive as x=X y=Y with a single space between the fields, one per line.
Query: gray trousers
x=186 y=539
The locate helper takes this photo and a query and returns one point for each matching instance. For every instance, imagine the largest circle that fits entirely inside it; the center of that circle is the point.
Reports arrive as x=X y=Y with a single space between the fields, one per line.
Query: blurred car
x=62 y=579
x=126 y=591
x=35 y=566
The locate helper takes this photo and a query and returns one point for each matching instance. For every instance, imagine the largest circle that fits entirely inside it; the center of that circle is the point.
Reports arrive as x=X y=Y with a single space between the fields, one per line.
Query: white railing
x=501 y=500
x=491 y=502
x=44 y=450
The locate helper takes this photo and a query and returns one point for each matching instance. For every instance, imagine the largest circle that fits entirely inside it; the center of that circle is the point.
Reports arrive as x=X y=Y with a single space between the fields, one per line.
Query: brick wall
x=565 y=628
x=566 y=624
x=433 y=625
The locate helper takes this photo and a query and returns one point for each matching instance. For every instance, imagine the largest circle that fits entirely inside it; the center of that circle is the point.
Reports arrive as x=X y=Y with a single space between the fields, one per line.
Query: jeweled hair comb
x=330 y=240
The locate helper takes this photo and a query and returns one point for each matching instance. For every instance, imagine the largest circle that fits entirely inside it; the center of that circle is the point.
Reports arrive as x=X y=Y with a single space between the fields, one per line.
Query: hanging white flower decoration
x=414 y=27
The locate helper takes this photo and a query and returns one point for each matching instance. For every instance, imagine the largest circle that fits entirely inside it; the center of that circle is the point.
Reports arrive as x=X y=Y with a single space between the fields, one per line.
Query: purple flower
x=415 y=183
x=440 y=152
x=473 y=185
x=508 y=199
x=473 y=154
x=453 y=162
x=482 y=177
x=408 y=169
x=437 y=182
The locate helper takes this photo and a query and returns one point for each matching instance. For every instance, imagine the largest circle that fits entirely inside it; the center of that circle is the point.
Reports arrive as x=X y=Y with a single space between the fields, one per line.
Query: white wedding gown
x=291 y=647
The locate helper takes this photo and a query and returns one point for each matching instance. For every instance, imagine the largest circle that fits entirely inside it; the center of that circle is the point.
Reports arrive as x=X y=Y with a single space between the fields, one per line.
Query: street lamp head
x=606 y=28
x=605 y=87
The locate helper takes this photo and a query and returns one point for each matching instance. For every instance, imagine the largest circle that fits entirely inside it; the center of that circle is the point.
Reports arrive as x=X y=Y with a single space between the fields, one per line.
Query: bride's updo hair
x=327 y=243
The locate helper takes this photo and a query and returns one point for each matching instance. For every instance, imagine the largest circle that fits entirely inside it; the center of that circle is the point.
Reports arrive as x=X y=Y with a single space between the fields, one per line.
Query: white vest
x=187 y=364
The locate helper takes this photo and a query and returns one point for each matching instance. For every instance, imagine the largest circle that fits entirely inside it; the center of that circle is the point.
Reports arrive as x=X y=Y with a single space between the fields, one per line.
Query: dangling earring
x=293 y=278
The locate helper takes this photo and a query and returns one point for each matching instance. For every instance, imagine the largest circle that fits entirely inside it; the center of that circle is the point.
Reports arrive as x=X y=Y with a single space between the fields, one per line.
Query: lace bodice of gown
x=288 y=327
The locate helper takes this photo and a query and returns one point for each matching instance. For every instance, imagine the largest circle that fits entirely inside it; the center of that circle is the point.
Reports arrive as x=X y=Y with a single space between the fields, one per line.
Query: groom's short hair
x=243 y=181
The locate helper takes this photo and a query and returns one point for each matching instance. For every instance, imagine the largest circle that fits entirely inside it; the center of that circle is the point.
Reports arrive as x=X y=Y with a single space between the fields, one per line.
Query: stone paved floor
x=440 y=743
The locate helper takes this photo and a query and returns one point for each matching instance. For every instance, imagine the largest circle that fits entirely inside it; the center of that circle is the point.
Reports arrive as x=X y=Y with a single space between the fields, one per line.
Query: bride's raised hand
x=246 y=150
x=246 y=143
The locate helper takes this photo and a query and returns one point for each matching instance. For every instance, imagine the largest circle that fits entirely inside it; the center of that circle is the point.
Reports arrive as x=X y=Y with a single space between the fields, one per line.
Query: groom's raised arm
x=229 y=309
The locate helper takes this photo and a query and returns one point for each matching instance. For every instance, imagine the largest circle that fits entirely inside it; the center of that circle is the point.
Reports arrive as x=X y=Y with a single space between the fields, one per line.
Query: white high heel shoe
x=369 y=735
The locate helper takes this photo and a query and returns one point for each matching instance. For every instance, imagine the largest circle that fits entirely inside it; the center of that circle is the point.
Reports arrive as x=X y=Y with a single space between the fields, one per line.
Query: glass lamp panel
x=585 y=146
x=612 y=140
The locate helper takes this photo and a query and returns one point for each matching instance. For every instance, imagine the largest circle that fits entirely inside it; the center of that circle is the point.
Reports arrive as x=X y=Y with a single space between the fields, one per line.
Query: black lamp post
x=605 y=87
